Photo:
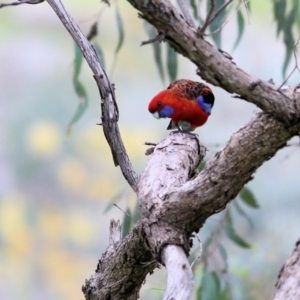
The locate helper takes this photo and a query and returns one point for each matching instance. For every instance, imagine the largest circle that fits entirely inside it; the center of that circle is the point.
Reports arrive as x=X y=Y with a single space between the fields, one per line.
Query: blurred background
x=54 y=186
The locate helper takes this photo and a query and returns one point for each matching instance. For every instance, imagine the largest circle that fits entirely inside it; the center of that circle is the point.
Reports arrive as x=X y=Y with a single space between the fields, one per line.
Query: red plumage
x=183 y=101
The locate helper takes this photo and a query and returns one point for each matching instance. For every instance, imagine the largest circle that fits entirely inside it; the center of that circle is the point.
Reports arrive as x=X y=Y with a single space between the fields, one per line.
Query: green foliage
x=213 y=286
x=194 y=8
x=126 y=222
x=172 y=64
x=79 y=89
x=286 y=14
x=215 y=281
x=232 y=234
x=120 y=30
x=218 y=21
x=130 y=218
x=151 y=32
x=248 y=198
x=241 y=28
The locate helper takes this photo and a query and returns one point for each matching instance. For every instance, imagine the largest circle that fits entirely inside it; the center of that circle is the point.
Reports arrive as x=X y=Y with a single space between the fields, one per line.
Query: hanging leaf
x=77 y=62
x=194 y=8
x=100 y=54
x=126 y=222
x=114 y=200
x=279 y=12
x=136 y=212
x=242 y=212
x=248 y=198
x=151 y=32
x=241 y=27
x=93 y=31
x=108 y=207
x=81 y=108
x=231 y=233
x=288 y=40
x=79 y=89
x=223 y=254
x=172 y=64
x=121 y=31
x=218 y=21
x=210 y=287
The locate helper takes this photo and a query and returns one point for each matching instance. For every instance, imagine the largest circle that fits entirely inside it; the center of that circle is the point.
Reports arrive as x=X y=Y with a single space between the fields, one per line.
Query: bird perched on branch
x=187 y=103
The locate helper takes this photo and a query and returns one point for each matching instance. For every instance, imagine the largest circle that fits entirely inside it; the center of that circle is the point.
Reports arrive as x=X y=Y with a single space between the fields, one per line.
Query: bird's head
x=206 y=100
x=159 y=107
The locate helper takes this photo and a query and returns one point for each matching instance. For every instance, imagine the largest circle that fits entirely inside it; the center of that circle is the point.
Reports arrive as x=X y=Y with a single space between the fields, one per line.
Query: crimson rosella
x=187 y=103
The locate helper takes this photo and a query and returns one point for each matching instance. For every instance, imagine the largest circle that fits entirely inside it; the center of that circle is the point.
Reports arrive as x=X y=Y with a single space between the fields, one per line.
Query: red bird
x=187 y=103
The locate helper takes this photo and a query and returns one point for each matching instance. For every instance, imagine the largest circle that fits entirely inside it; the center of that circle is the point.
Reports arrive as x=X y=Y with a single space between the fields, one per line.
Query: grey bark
x=288 y=283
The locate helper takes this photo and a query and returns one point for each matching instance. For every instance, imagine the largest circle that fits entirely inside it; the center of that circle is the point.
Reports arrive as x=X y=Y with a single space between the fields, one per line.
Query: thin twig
x=183 y=6
x=116 y=205
x=159 y=38
x=222 y=7
x=200 y=251
x=296 y=64
x=21 y=2
x=207 y=20
x=222 y=26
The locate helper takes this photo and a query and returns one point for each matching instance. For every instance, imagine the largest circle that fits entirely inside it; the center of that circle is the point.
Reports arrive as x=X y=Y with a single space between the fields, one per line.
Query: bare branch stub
x=159 y=38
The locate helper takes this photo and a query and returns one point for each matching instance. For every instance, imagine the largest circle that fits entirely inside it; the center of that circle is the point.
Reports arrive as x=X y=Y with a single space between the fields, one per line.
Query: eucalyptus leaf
x=248 y=198
x=121 y=31
x=126 y=222
x=151 y=32
x=218 y=22
x=241 y=27
x=231 y=233
x=234 y=237
x=210 y=286
x=172 y=64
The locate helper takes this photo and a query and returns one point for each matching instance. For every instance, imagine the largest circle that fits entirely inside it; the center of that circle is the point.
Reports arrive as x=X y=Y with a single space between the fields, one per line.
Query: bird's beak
x=156 y=115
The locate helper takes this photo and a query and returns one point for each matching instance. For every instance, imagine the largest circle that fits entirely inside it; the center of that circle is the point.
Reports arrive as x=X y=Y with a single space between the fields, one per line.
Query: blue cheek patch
x=166 y=112
x=205 y=106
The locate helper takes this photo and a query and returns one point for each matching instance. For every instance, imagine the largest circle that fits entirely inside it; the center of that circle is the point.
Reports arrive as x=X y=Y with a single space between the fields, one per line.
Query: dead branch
x=108 y=104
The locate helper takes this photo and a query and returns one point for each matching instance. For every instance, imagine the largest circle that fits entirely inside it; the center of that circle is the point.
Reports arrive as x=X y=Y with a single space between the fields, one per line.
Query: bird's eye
x=159 y=104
